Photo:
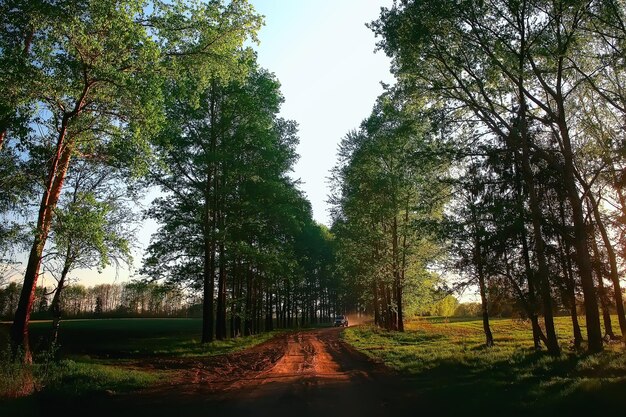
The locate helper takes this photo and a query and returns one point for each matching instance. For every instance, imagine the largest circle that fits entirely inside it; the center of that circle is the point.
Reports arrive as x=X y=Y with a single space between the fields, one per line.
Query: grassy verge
x=92 y=353
x=450 y=369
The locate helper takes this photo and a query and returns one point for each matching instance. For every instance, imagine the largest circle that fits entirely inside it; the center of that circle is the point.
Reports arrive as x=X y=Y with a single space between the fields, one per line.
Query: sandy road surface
x=308 y=373
x=317 y=376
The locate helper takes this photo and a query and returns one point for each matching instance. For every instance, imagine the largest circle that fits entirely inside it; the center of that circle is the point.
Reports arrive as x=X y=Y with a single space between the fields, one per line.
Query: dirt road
x=308 y=373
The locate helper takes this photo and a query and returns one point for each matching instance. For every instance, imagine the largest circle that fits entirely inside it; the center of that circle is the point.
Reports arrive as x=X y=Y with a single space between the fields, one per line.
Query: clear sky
x=323 y=55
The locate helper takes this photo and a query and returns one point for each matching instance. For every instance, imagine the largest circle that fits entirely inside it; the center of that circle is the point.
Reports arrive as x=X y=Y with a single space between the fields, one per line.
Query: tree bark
x=613 y=271
x=220 y=330
x=50 y=198
x=483 y=296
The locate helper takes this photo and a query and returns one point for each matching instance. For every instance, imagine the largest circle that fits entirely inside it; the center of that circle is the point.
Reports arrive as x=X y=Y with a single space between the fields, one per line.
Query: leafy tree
x=388 y=189
x=511 y=72
x=92 y=228
x=98 y=88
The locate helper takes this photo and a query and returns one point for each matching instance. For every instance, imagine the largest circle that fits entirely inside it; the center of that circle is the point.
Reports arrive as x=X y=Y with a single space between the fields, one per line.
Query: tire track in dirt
x=305 y=373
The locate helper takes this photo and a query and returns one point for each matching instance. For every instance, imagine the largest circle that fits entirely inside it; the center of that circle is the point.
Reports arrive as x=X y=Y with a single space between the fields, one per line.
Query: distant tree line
x=132 y=299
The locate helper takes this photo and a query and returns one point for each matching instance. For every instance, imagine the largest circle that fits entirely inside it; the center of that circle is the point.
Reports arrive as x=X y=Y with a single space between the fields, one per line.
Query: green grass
x=447 y=364
x=79 y=378
x=92 y=355
x=133 y=338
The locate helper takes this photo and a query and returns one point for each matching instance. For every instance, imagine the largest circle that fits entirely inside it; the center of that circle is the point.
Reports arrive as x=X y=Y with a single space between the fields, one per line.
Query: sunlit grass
x=446 y=358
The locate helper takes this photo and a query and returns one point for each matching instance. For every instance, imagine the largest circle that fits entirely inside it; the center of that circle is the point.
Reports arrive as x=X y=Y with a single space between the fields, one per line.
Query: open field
x=109 y=355
x=128 y=338
x=448 y=367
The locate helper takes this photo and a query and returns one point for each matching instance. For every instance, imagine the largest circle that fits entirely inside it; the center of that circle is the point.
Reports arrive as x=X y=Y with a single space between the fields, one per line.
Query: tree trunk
x=613 y=271
x=376 y=304
x=208 y=287
x=50 y=198
x=484 y=301
x=55 y=305
x=536 y=216
x=247 y=329
x=597 y=266
x=583 y=259
x=220 y=327
x=606 y=311
x=530 y=275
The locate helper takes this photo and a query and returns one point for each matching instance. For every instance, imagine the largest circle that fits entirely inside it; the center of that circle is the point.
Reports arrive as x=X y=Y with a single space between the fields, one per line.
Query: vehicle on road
x=341 y=321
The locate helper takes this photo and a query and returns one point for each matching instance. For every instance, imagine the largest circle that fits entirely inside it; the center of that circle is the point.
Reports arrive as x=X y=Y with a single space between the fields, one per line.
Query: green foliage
x=388 y=190
x=468 y=310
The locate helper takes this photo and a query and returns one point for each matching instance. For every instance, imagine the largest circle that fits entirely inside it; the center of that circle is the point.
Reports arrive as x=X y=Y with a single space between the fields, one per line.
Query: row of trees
x=230 y=214
x=531 y=94
x=386 y=195
x=101 y=100
x=128 y=300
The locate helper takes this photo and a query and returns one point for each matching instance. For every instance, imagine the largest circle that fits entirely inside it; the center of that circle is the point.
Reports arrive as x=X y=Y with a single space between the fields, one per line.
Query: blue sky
x=323 y=55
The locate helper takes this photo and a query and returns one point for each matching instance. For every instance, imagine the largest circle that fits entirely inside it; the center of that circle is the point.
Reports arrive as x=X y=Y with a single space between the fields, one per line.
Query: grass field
x=446 y=362
x=91 y=352
x=131 y=338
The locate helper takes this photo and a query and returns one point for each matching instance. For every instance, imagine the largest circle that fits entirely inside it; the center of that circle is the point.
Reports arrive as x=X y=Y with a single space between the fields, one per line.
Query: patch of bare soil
x=306 y=373
x=213 y=373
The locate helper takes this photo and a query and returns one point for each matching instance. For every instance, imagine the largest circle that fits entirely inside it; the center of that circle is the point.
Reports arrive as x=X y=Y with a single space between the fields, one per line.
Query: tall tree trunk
x=536 y=216
x=377 y=321
x=55 y=305
x=581 y=238
x=209 y=264
x=570 y=297
x=530 y=275
x=50 y=198
x=597 y=266
x=483 y=296
x=247 y=330
x=568 y=276
x=220 y=327
x=606 y=310
x=397 y=292
x=613 y=271
x=528 y=178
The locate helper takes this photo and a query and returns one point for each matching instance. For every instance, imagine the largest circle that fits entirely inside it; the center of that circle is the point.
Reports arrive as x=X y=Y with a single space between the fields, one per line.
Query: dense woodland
x=495 y=163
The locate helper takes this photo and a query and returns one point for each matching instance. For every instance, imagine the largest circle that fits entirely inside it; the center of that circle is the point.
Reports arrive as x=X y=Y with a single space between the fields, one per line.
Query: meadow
x=451 y=370
x=94 y=356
